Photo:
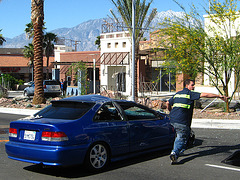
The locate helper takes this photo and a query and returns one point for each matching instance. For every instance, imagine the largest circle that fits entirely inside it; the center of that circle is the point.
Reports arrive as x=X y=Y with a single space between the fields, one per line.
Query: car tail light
x=44 y=86
x=54 y=136
x=12 y=132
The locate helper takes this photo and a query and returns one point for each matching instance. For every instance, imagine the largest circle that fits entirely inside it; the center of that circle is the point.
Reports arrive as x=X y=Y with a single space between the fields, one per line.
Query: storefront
x=18 y=66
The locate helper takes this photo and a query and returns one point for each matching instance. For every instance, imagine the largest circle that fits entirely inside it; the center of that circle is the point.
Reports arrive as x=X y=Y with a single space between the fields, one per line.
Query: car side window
x=136 y=112
x=107 y=112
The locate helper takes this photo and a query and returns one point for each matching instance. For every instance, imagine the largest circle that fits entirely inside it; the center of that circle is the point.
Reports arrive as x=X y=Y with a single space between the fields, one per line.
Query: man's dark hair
x=187 y=82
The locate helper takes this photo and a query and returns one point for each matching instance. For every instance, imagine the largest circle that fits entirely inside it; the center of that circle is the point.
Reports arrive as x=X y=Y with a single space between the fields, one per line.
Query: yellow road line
x=4 y=140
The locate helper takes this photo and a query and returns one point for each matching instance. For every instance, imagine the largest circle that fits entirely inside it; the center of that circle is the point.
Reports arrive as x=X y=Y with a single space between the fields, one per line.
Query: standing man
x=65 y=84
x=181 y=110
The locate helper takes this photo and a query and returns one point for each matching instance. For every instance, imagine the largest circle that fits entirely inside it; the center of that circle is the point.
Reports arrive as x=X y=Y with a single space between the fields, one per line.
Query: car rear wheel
x=25 y=94
x=97 y=157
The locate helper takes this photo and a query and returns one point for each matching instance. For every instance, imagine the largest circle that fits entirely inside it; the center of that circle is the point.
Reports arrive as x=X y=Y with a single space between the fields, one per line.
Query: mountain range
x=85 y=33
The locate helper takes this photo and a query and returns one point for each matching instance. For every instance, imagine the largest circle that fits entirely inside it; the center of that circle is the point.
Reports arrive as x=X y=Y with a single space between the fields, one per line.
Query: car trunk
x=31 y=130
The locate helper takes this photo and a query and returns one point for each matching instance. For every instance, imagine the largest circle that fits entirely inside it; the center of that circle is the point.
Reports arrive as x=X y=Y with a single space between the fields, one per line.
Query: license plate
x=29 y=135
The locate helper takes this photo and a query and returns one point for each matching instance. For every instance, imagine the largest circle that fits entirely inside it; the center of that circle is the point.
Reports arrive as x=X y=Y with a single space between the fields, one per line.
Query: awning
x=114 y=58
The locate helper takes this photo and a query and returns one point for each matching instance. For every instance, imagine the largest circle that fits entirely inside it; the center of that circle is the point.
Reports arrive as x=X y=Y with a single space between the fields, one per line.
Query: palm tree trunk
x=37 y=19
x=47 y=75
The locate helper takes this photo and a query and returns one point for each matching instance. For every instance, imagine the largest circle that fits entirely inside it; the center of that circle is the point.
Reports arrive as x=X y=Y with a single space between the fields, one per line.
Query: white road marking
x=223 y=167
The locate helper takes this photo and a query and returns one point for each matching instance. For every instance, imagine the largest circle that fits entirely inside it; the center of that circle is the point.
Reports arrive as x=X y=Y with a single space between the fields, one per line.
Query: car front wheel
x=97 y=157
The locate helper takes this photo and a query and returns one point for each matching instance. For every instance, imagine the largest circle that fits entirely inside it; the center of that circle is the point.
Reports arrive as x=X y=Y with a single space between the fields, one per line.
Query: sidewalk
x=216 y=123
x=196 y=123
x=27 y=112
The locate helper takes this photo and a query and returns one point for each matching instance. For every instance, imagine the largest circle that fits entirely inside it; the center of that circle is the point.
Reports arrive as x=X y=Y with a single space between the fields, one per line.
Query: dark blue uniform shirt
x=183 y=103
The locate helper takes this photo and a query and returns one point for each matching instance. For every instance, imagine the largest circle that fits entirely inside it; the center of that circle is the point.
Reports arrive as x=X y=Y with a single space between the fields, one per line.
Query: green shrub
x=3 y=92
x=9 y=81
x=21 y=82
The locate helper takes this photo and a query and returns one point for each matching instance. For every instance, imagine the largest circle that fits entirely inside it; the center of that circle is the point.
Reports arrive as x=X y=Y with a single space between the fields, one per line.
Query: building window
x=124 y=44
x=110 y=36
x=119 y=35
x=108 y=45
x=116 y=45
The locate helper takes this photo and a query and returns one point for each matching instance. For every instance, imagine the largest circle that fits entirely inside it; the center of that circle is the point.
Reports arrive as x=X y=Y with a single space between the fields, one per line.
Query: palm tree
x=49 y=39
x=142 y=20
x=37 y=16
x=28 y=52
x=1 y=38
x=97 y=42
x=29 y=30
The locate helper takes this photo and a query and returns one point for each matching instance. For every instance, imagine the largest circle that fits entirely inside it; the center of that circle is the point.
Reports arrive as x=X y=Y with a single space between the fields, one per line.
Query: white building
x=224 y=29
x=115 y=62
x=60 y=49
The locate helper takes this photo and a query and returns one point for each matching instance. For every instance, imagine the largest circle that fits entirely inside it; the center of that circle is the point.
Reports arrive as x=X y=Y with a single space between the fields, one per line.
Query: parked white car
x=51 y=88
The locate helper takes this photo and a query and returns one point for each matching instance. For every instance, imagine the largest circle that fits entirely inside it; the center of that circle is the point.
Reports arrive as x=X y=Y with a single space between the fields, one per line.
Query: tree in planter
x=79 y=70
x=213 y=51
x=179 y=52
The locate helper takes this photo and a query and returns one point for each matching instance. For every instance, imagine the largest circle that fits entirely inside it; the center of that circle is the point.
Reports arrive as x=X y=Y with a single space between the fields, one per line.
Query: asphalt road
x=203 y=161
x=5 y=118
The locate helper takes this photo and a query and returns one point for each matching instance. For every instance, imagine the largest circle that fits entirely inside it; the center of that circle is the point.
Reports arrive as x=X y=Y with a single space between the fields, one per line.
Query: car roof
x=93 y=98
x=88 y=98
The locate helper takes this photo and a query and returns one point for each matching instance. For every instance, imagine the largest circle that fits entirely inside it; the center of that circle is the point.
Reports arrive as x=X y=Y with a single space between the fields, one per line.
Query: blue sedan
x=89 y=129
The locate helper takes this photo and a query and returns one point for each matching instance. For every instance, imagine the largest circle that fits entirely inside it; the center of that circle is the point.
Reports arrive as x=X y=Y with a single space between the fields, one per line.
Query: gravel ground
x=214 y=113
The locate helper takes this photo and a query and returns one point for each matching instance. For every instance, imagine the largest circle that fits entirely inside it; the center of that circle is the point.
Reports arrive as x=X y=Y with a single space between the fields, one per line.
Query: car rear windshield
x=51 y=83
x=65 y=110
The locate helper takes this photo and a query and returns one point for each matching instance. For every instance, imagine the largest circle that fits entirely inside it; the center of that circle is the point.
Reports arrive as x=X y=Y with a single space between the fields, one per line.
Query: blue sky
x=15 y=14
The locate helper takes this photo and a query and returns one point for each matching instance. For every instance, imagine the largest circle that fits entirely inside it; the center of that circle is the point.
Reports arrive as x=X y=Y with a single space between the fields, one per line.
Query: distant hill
x=85 y=32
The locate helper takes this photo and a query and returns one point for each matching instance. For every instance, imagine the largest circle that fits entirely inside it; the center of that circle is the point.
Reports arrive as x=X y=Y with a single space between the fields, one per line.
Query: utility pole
x=133 y=50
x=75 y=44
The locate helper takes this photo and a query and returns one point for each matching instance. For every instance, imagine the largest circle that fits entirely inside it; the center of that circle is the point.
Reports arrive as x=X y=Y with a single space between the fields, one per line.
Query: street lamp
x=94 y=73
x=94 y=76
